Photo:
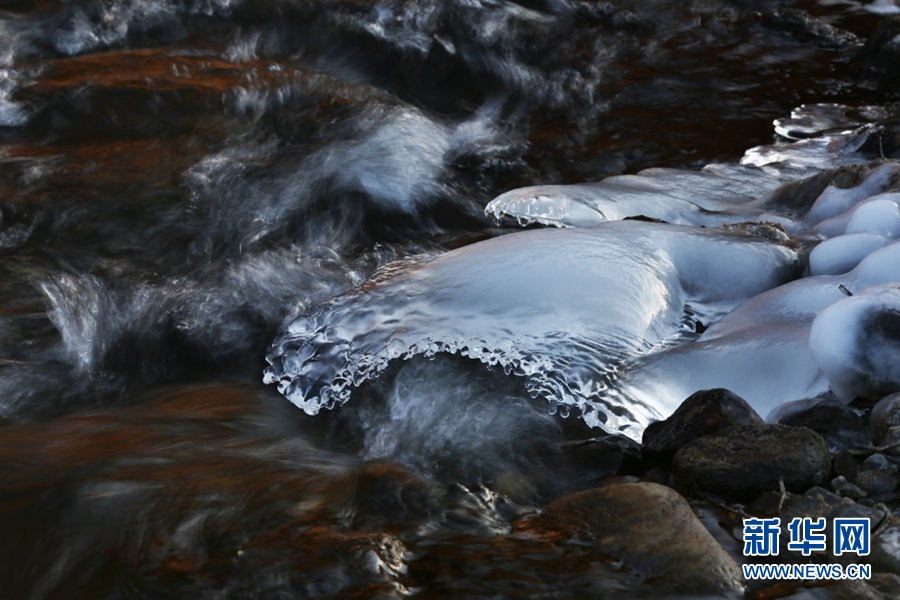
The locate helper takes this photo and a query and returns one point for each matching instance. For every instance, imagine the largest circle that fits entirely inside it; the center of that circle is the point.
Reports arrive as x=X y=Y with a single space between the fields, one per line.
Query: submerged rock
x=742 y=462
x=702 y=413
x=626 y=522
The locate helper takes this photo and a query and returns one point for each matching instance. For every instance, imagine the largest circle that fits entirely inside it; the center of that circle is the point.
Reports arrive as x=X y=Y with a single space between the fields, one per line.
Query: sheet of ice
x=712 y=196
x=562 y=308
x=761 y=350
x=856 y=342
x=835 y=201
x=715 y=195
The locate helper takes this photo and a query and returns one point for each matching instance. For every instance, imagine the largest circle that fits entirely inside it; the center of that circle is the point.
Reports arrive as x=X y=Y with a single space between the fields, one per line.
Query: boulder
x=884 y=424
x=742 y=462
x=652 y=529
x=702 y=413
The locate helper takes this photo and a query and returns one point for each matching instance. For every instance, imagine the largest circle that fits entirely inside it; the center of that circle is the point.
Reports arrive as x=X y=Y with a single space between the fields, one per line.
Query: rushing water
x=180 y=180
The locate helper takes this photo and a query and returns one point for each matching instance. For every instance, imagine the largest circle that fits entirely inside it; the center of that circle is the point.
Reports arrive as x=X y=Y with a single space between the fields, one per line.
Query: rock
x=884 y=424
x=880 y=56
x=879 y=462
x=836 y=422
x=841 y=486
x=885 y=554
x=844 y=465
x=652 y=529
x=852 y=510
x=742 y=462
x=605 y=456
x=703 y=413
x=656 y=475
x=877 y=483
x=815 y=503
x=768 y=504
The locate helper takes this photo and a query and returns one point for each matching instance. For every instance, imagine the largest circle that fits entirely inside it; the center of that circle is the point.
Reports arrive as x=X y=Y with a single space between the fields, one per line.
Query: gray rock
x=852 y=510
x=652 y=530
x=880 y=56
x=836 y=422
x=884 y=424
x=815 y=504
x=879 y=462
x=742 y=462
x=702 y=413
x=885 y=555
x=841 y=486
x=876 y=482
x=845 y=465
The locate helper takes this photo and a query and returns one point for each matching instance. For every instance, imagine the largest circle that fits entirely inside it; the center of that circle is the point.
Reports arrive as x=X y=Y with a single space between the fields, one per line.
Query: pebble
x=876 y=482
x=841 y=486
x=884 y=424
x=702 y=413
x=880 y=462
x=815 y=503
x=743 y=462
x=843 y=464
x=652 y=530
x=885 y=555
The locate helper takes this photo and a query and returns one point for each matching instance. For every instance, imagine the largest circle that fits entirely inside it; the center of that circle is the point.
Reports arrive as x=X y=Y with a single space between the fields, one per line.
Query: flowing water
x=180 y=180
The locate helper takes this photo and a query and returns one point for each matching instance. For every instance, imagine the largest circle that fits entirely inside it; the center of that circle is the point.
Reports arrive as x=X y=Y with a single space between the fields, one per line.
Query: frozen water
x=715 y=195
x=834 y=200
x=879 y=214
x=856 y=342
x=562 y=308
x=840 y=254
x=761 y=350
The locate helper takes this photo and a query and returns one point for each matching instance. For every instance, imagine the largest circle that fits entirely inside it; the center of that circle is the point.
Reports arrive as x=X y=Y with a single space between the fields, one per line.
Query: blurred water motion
x=180 y=178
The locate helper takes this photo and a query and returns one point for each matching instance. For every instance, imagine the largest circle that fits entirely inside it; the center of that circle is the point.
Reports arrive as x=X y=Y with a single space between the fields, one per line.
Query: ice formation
x=856 y=343
x=563 y=308
x=600 y=313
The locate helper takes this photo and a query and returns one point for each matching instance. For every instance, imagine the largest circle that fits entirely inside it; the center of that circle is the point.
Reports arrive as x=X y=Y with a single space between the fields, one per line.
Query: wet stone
x=844 y=465
x=853 y=510
x=768 y=504
x=624 y=521
x=743 y=462
x=885 y=554
x=841 y=486
x=877 y=483
x=815 y=503
x=605 y=456
x=878 y=462
x=837 y=423
x=702 y=413
x=880 y=57
x=884 y=424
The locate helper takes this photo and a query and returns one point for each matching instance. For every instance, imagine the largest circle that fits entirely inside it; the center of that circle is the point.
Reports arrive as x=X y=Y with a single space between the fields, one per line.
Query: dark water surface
x=178 y=178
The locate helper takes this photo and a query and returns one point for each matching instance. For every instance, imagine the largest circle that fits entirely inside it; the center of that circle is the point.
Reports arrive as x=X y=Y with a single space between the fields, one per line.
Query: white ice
x=715 y=195
x=761 y=350
x=856 y=343
x=561 y=307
